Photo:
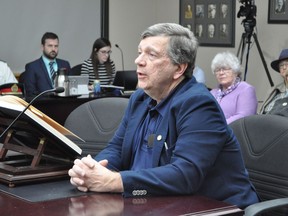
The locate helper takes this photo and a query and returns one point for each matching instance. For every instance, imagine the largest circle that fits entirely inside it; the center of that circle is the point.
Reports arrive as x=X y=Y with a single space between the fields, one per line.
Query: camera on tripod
x=248 y=10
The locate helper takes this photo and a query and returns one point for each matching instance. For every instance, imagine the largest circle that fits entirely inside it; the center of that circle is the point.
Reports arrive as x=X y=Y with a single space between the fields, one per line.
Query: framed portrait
x=212 y=21
x=278 y=11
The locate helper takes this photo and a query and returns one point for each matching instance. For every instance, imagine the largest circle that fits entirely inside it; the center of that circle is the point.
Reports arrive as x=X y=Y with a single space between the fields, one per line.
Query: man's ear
x=180 y=70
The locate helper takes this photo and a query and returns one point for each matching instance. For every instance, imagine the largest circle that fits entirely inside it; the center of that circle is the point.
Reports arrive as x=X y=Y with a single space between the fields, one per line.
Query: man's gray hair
x=182 y=47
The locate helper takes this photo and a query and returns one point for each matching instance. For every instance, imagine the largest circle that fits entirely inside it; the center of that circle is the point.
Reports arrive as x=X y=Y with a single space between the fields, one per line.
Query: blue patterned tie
x=52 y=72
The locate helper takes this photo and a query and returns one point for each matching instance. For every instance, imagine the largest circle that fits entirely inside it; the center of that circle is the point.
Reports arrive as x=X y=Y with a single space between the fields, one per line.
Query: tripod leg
x=242 y=45
x=247 y=58
x=244 y=40
x=263 y=60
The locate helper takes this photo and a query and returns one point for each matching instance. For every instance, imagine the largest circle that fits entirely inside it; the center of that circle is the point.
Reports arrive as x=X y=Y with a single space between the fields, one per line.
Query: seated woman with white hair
x=237 y=98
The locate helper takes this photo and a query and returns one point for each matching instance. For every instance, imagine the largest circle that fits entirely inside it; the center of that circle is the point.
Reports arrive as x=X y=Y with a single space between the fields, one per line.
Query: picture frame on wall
x=212 y=21
x=278 y=11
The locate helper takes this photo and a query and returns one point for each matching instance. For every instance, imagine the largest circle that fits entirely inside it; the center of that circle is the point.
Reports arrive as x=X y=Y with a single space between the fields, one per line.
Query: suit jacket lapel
x=139 y=111
x=160 y=139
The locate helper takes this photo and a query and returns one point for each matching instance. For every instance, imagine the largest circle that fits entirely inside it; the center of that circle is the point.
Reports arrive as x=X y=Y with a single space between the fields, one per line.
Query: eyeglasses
x=282 y=65
x=224 y=70
x=105 y=52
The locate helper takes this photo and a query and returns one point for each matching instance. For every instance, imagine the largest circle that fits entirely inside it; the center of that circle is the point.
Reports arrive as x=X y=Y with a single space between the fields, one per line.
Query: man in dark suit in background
x=39 y=75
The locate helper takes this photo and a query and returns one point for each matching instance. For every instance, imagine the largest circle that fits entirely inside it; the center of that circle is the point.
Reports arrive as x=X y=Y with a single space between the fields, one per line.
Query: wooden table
x=115 y=204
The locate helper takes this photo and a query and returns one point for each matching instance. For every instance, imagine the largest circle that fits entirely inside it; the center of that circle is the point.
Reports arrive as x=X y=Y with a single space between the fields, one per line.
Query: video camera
x=248 y=10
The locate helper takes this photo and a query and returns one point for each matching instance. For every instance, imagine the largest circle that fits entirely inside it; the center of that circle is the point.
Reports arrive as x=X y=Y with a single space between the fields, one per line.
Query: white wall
x=128 y=18
x=77 y=23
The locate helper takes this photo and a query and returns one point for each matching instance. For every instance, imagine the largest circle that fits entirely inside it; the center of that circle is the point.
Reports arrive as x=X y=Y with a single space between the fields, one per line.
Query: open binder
x=36 y=147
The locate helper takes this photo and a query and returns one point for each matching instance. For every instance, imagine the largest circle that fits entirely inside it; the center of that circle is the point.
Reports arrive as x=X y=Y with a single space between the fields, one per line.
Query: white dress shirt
x=6 y=75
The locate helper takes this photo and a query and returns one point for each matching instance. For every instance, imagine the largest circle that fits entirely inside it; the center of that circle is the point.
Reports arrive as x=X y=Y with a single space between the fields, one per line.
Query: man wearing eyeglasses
x=277 y=99
x=39 y=75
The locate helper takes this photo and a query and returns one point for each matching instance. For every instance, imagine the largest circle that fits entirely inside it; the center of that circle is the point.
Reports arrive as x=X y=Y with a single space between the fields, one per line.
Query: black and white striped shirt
x=87 y=69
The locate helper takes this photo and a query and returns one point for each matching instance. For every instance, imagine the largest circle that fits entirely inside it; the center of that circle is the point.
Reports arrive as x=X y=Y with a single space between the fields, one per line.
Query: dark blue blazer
x=36 y=78
x=194 y=150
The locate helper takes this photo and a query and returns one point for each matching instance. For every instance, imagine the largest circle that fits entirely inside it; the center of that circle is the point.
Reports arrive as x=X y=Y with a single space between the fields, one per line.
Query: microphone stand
x=122 y=57
x=56 y=90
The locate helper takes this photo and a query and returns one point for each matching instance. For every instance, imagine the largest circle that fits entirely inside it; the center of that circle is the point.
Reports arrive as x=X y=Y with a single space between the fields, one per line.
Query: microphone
x=56 y=90
x=121 y=55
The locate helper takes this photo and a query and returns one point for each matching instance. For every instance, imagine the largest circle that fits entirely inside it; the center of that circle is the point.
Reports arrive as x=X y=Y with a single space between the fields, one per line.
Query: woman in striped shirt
x=99 y=66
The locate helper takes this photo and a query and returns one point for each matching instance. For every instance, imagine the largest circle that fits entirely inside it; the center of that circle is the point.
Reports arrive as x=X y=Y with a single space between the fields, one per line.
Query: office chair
x=75 y=71
x=264 y=143
x=96 y=121
x=21 y=77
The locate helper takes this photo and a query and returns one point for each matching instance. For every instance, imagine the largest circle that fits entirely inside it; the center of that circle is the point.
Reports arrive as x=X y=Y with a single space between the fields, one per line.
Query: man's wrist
x=117 y=183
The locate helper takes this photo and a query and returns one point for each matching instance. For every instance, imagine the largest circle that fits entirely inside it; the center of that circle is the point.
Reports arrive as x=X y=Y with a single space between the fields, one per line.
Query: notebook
x=78 y=85
x=128 y=79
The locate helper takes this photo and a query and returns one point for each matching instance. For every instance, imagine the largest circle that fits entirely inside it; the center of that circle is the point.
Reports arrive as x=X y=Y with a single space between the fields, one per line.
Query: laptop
x=78 y=85
x=128 y=79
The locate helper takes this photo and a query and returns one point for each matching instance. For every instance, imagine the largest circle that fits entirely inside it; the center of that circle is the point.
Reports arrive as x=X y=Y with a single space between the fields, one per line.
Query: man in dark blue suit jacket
x=173 y=138
x=37 y=76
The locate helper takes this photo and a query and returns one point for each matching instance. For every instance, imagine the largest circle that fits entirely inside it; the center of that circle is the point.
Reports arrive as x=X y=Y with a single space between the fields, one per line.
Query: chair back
x=96 y=122
x=75 y=71
x=21 y=78
x=264 y=143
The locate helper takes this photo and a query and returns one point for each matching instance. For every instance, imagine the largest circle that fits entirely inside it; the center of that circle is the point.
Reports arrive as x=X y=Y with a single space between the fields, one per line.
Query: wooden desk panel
x=115 y=204
x=59 y=108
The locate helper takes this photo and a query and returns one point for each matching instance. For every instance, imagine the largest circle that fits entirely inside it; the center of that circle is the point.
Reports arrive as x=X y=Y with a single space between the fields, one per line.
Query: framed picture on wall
x=212 y=21
x=278 y=11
